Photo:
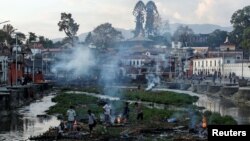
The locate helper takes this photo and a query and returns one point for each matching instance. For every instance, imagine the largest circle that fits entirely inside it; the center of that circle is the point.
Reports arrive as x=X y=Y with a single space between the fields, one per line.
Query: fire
x=204 y=122
x=118 y=120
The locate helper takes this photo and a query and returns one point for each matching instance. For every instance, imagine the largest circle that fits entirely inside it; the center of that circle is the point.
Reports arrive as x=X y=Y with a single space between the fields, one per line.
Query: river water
x=214 y=104
x=220 y=105
x=23 y=122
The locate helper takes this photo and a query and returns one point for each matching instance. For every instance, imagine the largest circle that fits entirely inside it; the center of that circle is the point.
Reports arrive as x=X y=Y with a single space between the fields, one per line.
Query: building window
x=210 y=63
x=202 y=63
x=215 y=63
x=238 y=57
x=199 y=64
x=206 y=63
x=228 y=61
x=19 y=67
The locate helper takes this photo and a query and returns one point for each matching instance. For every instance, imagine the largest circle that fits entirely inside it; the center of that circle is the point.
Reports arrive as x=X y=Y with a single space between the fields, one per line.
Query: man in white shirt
x=107 y=113
x=71 y=117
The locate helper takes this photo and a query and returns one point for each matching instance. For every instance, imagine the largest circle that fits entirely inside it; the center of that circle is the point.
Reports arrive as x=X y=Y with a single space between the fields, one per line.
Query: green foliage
x=246 y=38
x=240 y=20
x=69 y=26
x=183 y=34
x=168 y=98
x=104 y=35
x=3 y=36
x=65 y=100
x=216 y=38
x=217 y=119
x=32 y=37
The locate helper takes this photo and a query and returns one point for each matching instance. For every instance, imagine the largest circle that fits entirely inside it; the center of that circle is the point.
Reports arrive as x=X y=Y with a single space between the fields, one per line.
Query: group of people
x=126 y=112
x=71 y=124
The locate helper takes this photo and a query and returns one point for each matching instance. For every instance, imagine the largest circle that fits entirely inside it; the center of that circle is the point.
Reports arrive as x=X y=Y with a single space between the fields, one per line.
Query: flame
x=204 y=122
x=118 y=120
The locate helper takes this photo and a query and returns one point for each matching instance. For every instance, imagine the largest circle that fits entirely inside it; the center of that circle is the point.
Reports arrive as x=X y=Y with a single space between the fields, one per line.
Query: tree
x=139 y=13
x=246 y=38
x=45 y=42
x=69 y=26
x=9 y=30
x=152 y=19
x=32 y=37
x=89 y=38
x=216 y=38
x=162 y=36
x=21 y=37
x=240 y=20
x=183 y=34
x=3 y=36
x=105 y=35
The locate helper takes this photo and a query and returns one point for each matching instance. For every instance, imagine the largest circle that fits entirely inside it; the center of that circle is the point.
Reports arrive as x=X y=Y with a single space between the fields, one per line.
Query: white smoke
x=153 y=81
x=76 y=61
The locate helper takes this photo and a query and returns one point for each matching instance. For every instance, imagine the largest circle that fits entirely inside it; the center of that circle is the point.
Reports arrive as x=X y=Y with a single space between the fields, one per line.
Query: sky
x=42 y=16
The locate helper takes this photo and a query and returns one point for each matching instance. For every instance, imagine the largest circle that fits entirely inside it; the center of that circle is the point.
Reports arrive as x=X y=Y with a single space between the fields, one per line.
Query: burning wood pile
x=119 y=121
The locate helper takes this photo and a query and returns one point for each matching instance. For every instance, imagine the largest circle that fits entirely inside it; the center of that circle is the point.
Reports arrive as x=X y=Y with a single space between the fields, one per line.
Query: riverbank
x=24 y=122
x=13 y=97
x=153 y=118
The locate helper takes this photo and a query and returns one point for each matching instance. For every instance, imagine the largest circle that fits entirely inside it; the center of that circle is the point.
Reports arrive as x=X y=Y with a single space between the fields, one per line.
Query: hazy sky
x=42 y=16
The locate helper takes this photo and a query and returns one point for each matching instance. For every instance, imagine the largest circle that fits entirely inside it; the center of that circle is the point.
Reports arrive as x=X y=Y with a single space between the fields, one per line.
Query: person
x=107 y=113
x=139 y=111
x=61 y=129
x=91 y=121
x=126 y=111
x=71 y=117
x=234 y=80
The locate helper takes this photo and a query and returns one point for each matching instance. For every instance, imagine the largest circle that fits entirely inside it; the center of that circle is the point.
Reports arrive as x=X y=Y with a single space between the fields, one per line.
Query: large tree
x=47 y=43
x=246 y=38
x=216 y=38
x=89 y=38
x=183 y=34
x=3 y=36
x=69 y=26
x=240 y=20
x=9 y=30
x=32 y=37
x=152 y=19
x=104 y=36
x=139 y=13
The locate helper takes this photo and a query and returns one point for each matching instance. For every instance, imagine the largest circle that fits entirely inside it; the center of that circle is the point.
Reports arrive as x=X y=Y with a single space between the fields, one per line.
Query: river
x=23 y=122
x=214 y=104
x=220 y=105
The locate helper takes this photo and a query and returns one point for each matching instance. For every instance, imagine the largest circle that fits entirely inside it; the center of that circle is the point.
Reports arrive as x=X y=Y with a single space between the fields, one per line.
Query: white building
x=136 y=61
x=3 y=69
x=240 y=69
x=207 y=65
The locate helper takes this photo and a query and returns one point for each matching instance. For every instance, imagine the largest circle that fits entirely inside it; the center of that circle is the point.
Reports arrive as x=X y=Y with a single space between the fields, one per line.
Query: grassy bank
x=168 y=98
x=153 y=118
x=163 y=97
x=82 y=103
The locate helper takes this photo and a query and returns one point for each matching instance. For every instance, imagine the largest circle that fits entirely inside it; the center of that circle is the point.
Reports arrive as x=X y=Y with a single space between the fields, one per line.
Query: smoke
x=153 y=81
x=76 y=62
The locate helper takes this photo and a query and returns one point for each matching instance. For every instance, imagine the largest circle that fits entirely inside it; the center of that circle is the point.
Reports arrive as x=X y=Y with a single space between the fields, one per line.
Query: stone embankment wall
x=17 y=96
